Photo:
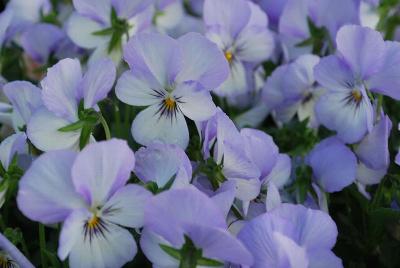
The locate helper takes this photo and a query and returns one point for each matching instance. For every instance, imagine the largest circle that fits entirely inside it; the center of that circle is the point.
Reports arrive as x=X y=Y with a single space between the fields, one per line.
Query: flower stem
x=42 y=242
x=105 y=127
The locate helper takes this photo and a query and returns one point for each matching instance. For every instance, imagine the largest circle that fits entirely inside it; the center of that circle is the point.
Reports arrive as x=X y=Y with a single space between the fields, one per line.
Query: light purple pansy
x=291 y=236
x=333 y=163
x=172 y=215
x=291 y=90
x=240 y=30
x=62 y=90
x=173 y=79
x=293 y=24
x=94 y=16
x=364 y=62
x=159 y=163
x=87 y=192
x=10 y=256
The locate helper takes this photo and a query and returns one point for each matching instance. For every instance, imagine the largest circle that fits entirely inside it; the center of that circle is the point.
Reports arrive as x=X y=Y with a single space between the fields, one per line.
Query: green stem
x=42 y=243
x=105 y=127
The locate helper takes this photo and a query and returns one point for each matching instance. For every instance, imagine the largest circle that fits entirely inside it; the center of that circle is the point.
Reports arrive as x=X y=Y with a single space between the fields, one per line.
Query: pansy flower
x=240 y=29
x=173 y=79
x=70 y=99
x=86 y=191
x=185 y=228
x=105 y=25
x=291 y=236
x=364 y=62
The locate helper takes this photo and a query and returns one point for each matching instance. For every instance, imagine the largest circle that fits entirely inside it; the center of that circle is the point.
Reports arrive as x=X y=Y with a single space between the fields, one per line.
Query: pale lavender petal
x=25 y=98
x=195 y=103
x=369 y=176
x=373 y=150
x=46 y=193
x=225 y=196
x=203 y=62
x=41 y=40
x=5 y=21
x=168 y=212
x=261 y=149
x=280 y=173
x=219 y=244
x=334 y=165
x=99 y=10
x=355 y=44
x=323 y=258
x=154 y=55
x=101 y=169
x=97 y=82
x=60 y=88
x=129 y=8
x=386 y=81
x=230 y=14
x=126 y=206
x=273 y=197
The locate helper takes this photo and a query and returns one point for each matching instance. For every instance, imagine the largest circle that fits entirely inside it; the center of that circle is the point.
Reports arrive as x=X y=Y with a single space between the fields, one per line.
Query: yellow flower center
x=357 y=96
x=229 y=56
x=170 y=103
x=93 y=223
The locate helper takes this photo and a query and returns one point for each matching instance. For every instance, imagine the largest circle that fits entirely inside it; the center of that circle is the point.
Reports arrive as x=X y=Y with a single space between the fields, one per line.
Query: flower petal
x=46 y=193
x=334 y=165
x=355 y=44
x=99 y=10
x=149 y=126
x=97 y=82
x=43 y=132
x=101 y=169
x=10 y=146
x=126 y=206
x=203 y=62
x=129 y=8
x=60 y=88
x=25 y=98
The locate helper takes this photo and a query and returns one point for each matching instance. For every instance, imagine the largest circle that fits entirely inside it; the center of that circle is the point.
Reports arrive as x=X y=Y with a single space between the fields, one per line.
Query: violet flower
x=291 y=236
x=184 y=226
x=365 y=62
x=173 y=79
x=87 y=192
x=240 y=29
x=70 y=99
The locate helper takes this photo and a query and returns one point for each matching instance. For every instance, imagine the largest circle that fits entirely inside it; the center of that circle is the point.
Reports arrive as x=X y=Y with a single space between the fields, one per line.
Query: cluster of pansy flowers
x=228 y=204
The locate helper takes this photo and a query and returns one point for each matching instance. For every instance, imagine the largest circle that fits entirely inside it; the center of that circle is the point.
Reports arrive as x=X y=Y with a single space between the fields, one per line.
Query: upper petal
x=60 y=88
x=129 y=8
x=97 y=82
x=46 y=193
x=203 y=62
x=362 y=48
x=101 y=169
x=99 y=10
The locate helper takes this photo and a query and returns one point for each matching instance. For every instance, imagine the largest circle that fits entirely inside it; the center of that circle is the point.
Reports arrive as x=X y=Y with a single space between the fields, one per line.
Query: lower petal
x=149 y=126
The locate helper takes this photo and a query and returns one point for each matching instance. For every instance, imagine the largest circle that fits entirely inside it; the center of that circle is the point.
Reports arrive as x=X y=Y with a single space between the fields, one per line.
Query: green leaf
x=72 y=127
x=173 y=252
x=152 y=187
x=107 y=31
x=306 y=42
x=85 y=136
x=115 y=41
x=209 y=262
